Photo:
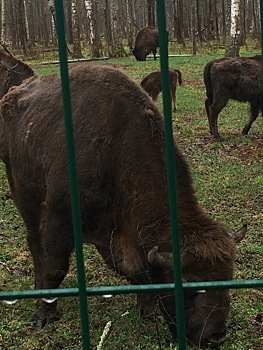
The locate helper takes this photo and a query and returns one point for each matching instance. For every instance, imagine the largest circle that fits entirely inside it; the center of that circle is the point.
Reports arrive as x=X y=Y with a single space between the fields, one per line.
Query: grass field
x=229 y=182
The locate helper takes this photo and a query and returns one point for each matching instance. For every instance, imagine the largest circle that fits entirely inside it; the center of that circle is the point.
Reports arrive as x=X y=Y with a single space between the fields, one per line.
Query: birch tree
x=3 y=19
x=233 y=28
x=93 y=27
x=76 y=29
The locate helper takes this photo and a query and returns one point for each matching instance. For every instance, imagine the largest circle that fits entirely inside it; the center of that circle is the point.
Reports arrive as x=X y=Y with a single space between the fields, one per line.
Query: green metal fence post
x=169 y=141
x=76 y=216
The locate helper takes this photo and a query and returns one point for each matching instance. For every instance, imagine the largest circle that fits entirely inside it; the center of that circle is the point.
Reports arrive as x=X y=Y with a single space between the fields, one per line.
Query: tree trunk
x=94 y=32
x=108 y=27
x=22 y=33
x=233 y=28
x=130 y=20
x=199 y=29
x=179 y=22
x=3 y=20
x=216 y=23
x=30 y=23
x=68 y=20
x=193 y=30
x=117 y=36
x=151 y=12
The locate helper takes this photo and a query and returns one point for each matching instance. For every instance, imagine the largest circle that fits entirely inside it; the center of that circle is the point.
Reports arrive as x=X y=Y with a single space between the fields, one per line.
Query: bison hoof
x=150 y=313
x=42 y=321
x=46 y=313
x=217 y=138
x=41 y=324
x=244 y=132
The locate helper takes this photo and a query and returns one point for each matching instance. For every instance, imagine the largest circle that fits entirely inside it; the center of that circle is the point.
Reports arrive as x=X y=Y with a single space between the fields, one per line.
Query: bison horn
x=157 y=259
x=239 y=234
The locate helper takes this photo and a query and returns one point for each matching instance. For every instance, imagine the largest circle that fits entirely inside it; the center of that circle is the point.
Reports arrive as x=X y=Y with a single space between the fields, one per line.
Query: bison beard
x=121 y=167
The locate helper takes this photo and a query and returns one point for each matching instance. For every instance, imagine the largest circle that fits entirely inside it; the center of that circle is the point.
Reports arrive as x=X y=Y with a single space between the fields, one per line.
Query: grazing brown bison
x=120 y=156
x=146 y=41
x=238 y=78
x=12 y=72
x=153 y=85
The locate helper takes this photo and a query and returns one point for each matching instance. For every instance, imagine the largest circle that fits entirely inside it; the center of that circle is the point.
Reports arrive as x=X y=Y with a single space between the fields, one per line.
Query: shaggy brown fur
x=153 y=85
x=146 y=41
x=120 y=154
x=12 y=72
x=238 y=78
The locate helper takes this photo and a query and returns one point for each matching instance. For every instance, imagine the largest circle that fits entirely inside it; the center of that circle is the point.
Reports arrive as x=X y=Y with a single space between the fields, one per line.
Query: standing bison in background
x=146 y=41
x=238 y=78
x=120 y=155
x=153 y=85
x=12 y=72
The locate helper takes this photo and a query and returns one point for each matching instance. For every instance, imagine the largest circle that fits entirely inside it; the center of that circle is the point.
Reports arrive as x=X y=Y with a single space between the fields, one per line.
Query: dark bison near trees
x=238 y=78
x=120 y=155
x=12 y=72
x=153 y=85
x=146 y=41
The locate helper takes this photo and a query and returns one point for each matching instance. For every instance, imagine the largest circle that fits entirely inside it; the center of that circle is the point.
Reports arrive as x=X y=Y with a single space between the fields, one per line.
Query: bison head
x=140 y=54
x=205 y=311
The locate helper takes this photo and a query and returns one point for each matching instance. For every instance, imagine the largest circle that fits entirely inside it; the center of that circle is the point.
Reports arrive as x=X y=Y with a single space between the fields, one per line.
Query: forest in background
x=108 y=27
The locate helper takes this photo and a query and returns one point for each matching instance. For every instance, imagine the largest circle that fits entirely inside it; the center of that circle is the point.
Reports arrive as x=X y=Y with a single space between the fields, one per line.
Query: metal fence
x=83 y=292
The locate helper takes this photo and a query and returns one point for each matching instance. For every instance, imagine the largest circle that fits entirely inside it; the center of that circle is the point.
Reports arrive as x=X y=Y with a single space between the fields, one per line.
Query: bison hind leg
x=219 y=103
x=254 y=111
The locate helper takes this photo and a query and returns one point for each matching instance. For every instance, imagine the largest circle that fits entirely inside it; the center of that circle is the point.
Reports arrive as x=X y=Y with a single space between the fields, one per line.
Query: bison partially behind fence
x=146 y=41
x=153 y=85
x=238 y=78
x=120 y=154
x=12 y=72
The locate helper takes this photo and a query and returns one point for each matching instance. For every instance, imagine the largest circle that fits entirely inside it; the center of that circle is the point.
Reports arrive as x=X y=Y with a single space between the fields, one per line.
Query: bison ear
x=162 y=260
x=239 y=234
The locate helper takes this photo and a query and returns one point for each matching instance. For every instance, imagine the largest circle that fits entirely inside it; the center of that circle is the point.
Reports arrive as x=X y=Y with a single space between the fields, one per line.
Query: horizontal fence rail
x=143 y=288
x=82 y=292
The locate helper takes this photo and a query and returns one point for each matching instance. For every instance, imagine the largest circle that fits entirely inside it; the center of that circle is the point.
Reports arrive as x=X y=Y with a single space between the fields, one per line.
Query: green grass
x=228 y=179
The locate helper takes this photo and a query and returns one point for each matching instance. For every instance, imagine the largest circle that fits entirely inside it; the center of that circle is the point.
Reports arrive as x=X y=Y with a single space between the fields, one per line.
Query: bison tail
x=208 y=82
x=180 y=79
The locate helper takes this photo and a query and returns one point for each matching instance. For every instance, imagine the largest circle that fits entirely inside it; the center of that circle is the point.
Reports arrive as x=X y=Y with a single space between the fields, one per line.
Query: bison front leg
x=254 y=111
x=57 y=244
x=147 y=306
x=154 y=54
x=34 y=242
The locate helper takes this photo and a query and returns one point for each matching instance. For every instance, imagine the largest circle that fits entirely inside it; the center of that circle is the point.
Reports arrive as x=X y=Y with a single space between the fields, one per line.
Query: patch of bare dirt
x=193 y=82
x=245 y=152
